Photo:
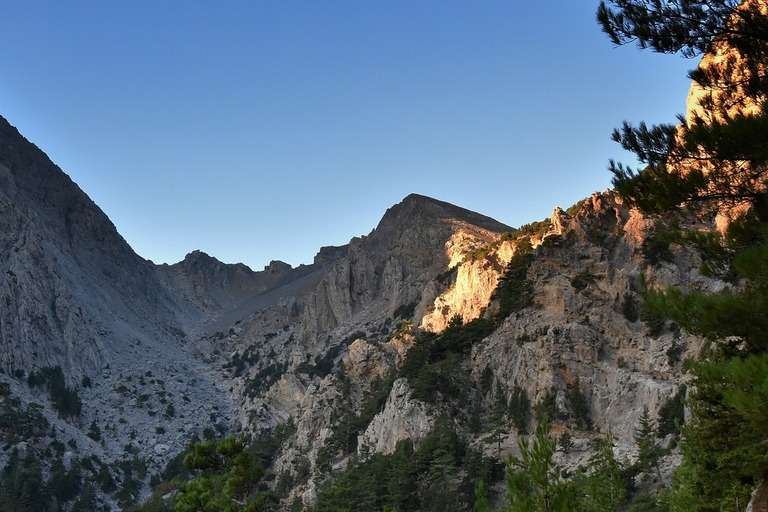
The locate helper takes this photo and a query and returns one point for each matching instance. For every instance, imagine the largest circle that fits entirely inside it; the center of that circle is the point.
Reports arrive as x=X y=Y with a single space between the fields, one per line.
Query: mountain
x=441 y=324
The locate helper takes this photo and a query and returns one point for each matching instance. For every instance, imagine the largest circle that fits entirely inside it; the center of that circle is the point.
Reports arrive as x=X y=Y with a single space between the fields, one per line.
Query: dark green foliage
x=565 y=442
x=226 y=478
x=575 y=208
x=343 y=440
x=21 y=485
x=580 y=281
x=62 y=484
x=323 y=366
x=534 y=481
x=674 y=353
x=64 y=400
x=650 y=452
x=264 y=379
x=434 y=364
x=264 y=449
x=500 y=406
x=630 y=308
x=104 y=478
x=647 y=502
x=408 y=480
x=538 y=229
x=723 y=445
x=17 y=424
x=579 y=406
x=672 y=414
x=546 y=409
x=240 y=363
x=486 y=380
x=87 y=500
x=515 y=290
x=405 y=311
x=653 y=320
x=519 y=408
x=94 y=432
x=656 y=250
x=133 y=471
x=718 y=158
x=601 y=486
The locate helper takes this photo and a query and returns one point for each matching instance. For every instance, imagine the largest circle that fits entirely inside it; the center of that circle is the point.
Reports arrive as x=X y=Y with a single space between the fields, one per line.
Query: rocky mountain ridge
x=161 y=354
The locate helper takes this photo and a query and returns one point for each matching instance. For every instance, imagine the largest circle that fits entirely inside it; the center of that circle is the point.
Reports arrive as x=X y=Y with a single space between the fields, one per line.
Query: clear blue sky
x=260 y=130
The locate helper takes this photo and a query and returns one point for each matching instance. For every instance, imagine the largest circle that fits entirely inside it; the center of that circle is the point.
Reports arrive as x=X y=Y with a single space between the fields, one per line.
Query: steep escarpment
x=340 y=362
x=99 y=336
x=392 y=267
x=440 y=326
x=73 y=290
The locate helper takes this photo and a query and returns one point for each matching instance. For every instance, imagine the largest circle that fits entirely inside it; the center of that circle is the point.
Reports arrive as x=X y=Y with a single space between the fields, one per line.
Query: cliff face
x=393 y=266
x=76 y=297
x=584 y=331
x=172 y=351
x=73 y=290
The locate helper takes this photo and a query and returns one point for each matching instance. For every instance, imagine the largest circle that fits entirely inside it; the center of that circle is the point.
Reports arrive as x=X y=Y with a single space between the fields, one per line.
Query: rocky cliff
x=323 y=359
x=583 y=335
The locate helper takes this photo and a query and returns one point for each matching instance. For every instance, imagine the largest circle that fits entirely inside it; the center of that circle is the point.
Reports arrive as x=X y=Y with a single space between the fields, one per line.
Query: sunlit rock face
x=716 y=104
x=173 y=351
x=731 y=101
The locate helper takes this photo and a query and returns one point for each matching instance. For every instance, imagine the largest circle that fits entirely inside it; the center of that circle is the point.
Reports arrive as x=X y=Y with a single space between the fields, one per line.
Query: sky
x=263 y=130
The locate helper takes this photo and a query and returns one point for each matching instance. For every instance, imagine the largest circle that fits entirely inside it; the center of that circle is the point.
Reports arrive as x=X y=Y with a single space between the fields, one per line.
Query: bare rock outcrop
x=402 y=418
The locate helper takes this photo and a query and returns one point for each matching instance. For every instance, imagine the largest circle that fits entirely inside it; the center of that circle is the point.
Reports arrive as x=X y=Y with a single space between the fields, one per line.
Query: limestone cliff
x=583 y=331
x=205 y=348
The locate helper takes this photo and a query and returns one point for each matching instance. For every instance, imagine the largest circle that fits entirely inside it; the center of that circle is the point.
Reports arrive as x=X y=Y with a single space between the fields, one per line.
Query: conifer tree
x=535 y=483
x=718 y=157
x=715 y=161
x=649 y=451
x=226 y=480
x=602 y=489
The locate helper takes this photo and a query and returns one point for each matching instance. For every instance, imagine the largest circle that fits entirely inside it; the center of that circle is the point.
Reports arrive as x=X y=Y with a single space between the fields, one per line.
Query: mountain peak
x=416 y=208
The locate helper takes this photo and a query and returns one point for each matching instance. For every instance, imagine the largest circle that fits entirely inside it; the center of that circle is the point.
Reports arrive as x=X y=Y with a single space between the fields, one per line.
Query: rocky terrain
x=159 y=355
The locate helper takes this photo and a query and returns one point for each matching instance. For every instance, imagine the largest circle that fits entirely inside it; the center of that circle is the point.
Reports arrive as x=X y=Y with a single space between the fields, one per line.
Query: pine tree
x=602 y=488
x=717 y=157
x=226 y=480
x=715 y=161
x=535 y=483
x=649 y=451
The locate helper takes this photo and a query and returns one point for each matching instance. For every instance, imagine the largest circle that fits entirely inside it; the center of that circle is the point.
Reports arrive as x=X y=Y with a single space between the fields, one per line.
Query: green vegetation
x=64 y=400
x=441 y=475
x=35 y=477
x=264 y=378
x=537 y=229
x=716 y=161
x=240 y=363
x=323 y=365
x=515 y=290
x=672 y=414
x=351 y=424
x=434 y=364
x=226 y=478
x=536 y=483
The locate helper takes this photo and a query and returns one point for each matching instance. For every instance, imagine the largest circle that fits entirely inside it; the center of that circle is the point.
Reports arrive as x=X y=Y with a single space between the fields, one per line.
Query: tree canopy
x=718 y=155
x=714 y=162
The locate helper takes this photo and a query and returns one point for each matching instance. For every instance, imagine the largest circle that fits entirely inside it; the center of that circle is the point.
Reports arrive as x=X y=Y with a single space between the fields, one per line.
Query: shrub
x=672 y=414
x=65 y=401
x=655 y=250
x=515 y=290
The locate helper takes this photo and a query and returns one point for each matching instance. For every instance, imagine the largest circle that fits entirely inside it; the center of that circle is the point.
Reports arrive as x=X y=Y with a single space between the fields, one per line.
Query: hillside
x=314 y=361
